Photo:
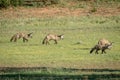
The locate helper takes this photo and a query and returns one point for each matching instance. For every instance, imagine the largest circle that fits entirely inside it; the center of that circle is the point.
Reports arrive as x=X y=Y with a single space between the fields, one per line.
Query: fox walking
x=19 y=35
x=53 y=37
x=102 y=45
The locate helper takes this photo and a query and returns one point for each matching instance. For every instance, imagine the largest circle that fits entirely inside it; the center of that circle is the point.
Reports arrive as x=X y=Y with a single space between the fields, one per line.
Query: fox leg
x=103 y=51
x=25 y=39
x=55 y=41
x=15 y=39
x=11 y=39
x=47 y=42
x=96 y=51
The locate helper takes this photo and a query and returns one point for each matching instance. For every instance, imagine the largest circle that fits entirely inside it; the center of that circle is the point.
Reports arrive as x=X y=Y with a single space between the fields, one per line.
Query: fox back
x=103 y=41
x=52 y=37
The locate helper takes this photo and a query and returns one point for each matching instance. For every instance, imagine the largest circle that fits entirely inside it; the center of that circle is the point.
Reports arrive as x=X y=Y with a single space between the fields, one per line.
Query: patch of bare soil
x=52 y=12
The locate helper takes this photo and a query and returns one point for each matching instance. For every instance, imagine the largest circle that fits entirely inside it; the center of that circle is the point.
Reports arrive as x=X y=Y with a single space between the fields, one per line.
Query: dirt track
x=51 y=12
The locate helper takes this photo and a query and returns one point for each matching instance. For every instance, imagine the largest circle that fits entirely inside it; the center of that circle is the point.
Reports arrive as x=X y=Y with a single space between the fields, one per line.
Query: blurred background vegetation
x=43 y=3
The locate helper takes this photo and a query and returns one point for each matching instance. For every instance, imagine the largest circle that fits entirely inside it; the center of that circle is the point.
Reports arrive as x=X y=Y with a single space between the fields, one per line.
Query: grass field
x=81 y=33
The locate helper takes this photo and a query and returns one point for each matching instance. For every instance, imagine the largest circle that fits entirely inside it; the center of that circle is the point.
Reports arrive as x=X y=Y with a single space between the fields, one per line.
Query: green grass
x=86 y=30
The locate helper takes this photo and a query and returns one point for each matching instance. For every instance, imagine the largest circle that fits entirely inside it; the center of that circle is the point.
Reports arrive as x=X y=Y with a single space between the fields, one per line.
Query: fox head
x=30 y=34
x=61 y=36
x=109 y=46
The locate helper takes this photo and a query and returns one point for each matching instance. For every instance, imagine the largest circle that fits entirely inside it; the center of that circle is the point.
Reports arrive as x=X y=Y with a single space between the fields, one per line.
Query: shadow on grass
x=8 y=73
x=59 y=77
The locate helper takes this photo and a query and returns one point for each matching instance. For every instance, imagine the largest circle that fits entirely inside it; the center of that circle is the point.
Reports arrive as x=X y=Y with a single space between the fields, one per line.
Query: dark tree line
x=7 y=3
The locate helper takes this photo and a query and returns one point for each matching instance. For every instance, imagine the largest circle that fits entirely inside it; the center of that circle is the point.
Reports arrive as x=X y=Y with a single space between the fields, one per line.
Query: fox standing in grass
x=19 y=35
x=103 y=44
x=52 y=37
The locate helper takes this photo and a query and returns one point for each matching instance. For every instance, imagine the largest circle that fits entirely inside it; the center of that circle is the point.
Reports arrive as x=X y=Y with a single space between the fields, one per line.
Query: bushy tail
x=92 y=49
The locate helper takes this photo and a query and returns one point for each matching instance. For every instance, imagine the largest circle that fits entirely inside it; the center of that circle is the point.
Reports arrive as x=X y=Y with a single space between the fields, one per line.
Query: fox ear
x=30 y=33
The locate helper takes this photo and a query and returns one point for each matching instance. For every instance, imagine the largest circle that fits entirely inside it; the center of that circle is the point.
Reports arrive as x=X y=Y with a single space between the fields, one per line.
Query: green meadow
x=81 y=33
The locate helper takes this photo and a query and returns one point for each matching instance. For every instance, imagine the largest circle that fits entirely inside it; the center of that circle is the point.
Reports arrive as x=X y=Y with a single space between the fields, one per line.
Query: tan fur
x=19 y=35
x=103 y=42
x=102 y=45
x=50 y=37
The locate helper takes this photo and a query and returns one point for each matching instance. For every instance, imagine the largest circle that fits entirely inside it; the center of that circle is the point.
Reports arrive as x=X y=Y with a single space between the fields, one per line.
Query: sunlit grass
x=81 y=33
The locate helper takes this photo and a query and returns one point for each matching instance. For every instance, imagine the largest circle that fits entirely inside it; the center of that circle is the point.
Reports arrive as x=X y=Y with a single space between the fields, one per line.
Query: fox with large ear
x=19 y=35
x=53 y=37
x=102 y=45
